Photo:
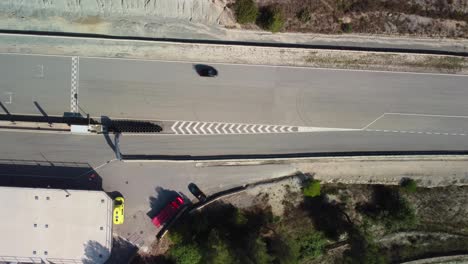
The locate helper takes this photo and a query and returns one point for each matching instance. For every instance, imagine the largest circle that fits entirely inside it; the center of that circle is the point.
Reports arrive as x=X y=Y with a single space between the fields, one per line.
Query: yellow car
x=119 y=210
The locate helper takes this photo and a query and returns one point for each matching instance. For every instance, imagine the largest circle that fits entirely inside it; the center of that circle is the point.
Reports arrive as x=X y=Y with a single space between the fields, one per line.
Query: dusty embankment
x=211 y=53
x=192 y=19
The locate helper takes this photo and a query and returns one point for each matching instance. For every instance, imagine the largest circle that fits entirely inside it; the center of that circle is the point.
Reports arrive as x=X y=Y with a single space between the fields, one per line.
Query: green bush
x=297 y=246
x=311 y=245
x=246 y=11
x=409 y=185
x=271 y=19
x=312 y=189
x=218 y=250
x=390 y=209
x=346 y=28
x=185 y=254
x=259 y=252
x=176 y=237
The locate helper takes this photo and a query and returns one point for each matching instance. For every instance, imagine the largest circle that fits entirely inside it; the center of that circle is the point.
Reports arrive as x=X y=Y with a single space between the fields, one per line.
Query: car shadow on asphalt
x=49 y=174
x=161 y=199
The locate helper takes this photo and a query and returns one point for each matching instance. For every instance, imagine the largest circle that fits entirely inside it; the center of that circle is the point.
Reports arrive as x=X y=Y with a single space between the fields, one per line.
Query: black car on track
x=193 y=188
x=205 y=70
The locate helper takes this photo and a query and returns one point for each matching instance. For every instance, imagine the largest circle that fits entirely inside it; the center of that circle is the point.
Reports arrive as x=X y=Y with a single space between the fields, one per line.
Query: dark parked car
x=205 y=70
x=193 y=188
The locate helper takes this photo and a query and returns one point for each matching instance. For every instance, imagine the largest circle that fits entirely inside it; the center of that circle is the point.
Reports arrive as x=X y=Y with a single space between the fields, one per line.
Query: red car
x=169 y=211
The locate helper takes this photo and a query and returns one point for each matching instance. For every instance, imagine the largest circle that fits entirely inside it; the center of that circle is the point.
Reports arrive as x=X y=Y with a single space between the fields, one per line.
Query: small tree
x=259 y=252
x=246 y=11
x=311 y=245
x=271 y=19
x=312 y=188
x=408 y=185
x=219 y=251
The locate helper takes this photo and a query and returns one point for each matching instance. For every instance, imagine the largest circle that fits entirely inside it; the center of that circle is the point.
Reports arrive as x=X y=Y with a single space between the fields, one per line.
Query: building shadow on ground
x=49 y=174
x=95 y=253
x=122 y=251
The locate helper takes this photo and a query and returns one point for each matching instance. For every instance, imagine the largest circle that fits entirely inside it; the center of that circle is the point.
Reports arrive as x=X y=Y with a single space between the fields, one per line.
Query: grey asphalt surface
x=123 y=88
x=290 y=143
x=257 y=94
x=28 y=79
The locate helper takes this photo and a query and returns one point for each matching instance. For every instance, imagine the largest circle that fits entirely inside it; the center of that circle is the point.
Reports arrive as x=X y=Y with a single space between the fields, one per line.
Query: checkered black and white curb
x=74 y=84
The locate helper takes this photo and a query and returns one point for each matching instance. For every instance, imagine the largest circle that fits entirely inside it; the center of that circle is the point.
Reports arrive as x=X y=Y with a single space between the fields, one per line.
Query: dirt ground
x=432 y=18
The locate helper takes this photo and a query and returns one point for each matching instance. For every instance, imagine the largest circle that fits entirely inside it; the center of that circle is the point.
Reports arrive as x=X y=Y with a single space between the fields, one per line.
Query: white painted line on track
x=36 y=54
x=10 y=96
x=99 y=166
x=377 y=119
x=282 y=66
x=426 y=115
x=416 y=132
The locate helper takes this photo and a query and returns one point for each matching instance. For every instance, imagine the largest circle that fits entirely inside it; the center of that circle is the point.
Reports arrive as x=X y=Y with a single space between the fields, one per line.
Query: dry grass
x=423 y=18
x=404 y=62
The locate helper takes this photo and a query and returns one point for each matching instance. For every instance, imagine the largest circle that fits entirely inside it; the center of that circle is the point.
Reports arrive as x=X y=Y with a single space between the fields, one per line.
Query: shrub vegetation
x=246 y=11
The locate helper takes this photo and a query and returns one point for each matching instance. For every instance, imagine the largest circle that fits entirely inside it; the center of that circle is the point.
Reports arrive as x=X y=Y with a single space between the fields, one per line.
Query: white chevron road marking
x=218 y=128
x=209 y=128
x=195 y=128
x=224 y=128
x=201 y=128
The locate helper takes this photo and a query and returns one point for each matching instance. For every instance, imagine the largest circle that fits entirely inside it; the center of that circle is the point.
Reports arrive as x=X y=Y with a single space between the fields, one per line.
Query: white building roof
x=53 y=225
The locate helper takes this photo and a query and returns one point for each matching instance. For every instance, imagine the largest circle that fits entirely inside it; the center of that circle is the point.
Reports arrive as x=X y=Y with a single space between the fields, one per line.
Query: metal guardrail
x=237 y=157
